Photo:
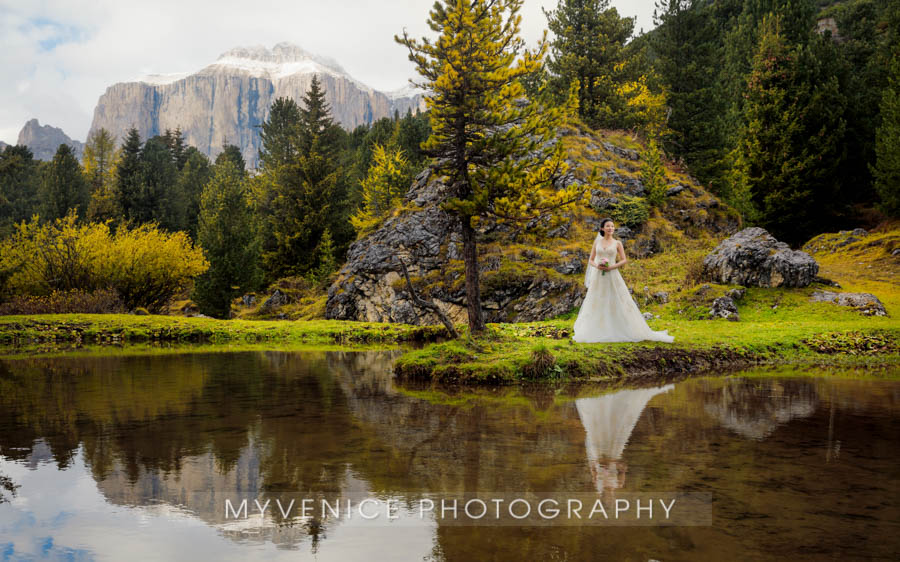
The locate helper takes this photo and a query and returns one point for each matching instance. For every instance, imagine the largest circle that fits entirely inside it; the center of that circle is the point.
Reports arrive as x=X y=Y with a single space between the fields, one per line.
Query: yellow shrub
x=144 y=265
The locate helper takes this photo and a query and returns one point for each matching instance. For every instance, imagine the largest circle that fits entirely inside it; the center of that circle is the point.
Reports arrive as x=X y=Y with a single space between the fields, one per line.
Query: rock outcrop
x=754 y=258
x=43 y=140
x=226 y=102
x=866 y=303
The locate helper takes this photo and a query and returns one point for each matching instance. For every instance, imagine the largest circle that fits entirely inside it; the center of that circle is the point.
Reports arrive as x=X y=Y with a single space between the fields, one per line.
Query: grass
x=114 y=329
x=776 y=327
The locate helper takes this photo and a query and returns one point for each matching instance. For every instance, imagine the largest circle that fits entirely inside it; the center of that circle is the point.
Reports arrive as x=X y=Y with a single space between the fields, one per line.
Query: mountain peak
x=281 y=54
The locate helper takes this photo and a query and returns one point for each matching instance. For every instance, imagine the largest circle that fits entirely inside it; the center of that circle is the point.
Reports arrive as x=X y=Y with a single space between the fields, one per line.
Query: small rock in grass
x=724 y=307
x=866 y=303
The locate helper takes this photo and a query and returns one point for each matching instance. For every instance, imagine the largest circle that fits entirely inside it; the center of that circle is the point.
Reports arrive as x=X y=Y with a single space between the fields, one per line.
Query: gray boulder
x=754 y=258
x=866 y=303
x=724 y=307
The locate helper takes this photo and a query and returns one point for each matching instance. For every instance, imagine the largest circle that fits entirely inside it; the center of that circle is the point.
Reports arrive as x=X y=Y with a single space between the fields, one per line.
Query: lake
x=151 y=457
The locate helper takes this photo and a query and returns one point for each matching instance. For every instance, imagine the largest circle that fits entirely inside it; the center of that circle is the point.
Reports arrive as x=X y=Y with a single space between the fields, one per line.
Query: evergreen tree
x=688 y=49
x=194 y=175
x=228 y=240
x=653 y=174
x=19 y=186
x=158 y=200
x=100 y=163
x=887 y=145
x=129 y=176
x=492 y=148
x=232 y=153
x=589 y=46
x=178 y=149
x=326 y=264
x=408 y=136
x=790 y=144
x=64 y=188
x=279 y=135
x=316 y=124
x=298 y=213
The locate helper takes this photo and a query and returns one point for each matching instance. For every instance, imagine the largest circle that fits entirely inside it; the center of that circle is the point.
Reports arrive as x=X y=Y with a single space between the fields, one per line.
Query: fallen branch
x=427 y=305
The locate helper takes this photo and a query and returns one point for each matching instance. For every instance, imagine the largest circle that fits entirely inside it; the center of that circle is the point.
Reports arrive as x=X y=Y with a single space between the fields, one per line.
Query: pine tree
x=492 y=147
x=589 y=46
x=64 y=188
x=129 y=176
x=790 y=143
x=297 y=214
x=316 y=124
x=194 y=176
x=100 y=163
x=688 y=48
x=19 y=186
x=232 y=153
x=228 y=240
x=887 y=145
x=279 y=135
x=178 y=149
x=157 y=199
x=653 y=174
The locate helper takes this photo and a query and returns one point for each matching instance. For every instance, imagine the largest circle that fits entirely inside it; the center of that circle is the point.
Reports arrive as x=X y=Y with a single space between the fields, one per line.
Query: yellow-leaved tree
x=495 y=147
x=383 y=187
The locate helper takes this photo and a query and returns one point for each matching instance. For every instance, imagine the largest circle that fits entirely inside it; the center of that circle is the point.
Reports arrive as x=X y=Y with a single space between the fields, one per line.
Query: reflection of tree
x=608 y=422
x=755 y=408
x=7 y=487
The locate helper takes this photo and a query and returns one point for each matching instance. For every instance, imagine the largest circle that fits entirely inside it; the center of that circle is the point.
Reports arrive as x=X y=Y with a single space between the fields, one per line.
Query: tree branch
x=427 y=305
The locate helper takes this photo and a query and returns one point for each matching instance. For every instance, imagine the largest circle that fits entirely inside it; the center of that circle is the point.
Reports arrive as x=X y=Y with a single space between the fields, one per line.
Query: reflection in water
x=754 y=408
x=127 y=455
x=608 y=421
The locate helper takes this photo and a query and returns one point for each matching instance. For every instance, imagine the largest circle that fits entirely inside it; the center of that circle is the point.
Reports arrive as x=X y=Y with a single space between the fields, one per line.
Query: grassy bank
x=776 y=327
x=67 y=330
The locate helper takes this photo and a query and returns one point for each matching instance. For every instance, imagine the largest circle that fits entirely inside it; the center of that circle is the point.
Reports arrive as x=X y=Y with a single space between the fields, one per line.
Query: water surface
x=132 y=457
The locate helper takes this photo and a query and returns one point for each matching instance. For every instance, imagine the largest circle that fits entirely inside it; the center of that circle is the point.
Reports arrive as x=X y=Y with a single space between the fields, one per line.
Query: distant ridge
x=227 y=101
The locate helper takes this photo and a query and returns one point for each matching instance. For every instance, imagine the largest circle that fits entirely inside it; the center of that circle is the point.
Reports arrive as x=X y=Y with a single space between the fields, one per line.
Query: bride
x=608 y=313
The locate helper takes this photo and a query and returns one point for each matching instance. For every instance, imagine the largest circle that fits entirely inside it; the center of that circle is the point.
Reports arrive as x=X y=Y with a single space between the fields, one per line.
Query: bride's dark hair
x=604 y=221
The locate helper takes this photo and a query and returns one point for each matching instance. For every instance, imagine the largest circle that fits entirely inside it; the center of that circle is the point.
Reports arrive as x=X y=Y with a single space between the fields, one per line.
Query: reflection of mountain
x=608 y=422
x=753 y=409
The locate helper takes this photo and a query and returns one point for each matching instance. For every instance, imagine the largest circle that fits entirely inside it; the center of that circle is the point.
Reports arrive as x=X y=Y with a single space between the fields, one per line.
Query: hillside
x=530 y=275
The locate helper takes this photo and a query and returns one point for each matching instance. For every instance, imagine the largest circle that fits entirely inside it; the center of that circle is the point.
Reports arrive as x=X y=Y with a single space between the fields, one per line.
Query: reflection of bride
x=608 y=421
x=608 y=312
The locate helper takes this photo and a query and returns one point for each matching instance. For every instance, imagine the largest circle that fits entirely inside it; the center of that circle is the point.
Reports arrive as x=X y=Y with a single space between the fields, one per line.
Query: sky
x=57 y=57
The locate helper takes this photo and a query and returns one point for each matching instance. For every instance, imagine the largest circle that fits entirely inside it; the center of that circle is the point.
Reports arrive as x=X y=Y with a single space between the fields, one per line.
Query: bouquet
x=603 y=263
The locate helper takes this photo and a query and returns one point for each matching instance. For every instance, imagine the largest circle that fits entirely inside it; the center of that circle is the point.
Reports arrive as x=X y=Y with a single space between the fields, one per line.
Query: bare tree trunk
x=448 y=325
x=473 y=291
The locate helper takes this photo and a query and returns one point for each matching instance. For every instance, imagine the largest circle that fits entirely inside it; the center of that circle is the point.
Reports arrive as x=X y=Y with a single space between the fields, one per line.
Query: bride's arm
x=620 y=251
x=593 y=255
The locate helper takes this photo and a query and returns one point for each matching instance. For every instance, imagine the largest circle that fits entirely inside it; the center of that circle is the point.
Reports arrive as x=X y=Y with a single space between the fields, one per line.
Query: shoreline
x=539 y=352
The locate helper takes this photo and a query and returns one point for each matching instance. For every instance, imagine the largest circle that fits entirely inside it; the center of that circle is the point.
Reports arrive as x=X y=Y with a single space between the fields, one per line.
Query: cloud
x=58 y=56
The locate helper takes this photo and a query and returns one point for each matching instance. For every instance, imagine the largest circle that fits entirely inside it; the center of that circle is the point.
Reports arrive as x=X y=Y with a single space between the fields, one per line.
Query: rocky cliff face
x=524 y=277
x=226 y=102
x=43 y=140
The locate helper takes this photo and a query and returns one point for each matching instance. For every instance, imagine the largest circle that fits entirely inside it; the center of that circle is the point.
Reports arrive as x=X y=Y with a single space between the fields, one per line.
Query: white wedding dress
x=608 y=313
